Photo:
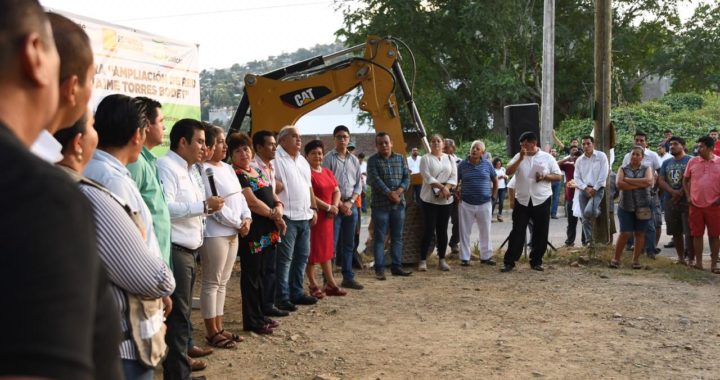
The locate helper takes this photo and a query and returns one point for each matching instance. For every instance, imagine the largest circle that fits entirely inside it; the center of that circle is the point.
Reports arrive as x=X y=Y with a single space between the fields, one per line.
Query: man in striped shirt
x=479 y=185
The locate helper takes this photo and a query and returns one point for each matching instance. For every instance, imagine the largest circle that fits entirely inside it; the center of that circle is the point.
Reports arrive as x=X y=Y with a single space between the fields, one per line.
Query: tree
x=697 y=60
x=475 y=57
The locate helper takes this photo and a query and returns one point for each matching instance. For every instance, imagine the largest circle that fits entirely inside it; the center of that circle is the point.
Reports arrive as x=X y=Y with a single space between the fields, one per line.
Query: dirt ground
x=569 y=322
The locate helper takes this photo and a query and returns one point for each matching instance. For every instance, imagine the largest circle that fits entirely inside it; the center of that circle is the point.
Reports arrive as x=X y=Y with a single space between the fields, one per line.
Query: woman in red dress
x=327 y=195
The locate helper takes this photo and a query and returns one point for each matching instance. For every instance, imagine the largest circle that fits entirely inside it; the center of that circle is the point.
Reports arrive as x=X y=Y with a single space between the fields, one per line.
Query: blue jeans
x=344 y=232
x=393 y=218
x=590 y=210
x=292 y=258
x=555 y=198
x=133 y=370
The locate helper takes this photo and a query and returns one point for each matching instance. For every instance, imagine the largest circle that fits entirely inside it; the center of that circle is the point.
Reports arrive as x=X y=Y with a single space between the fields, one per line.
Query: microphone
x=211 y=179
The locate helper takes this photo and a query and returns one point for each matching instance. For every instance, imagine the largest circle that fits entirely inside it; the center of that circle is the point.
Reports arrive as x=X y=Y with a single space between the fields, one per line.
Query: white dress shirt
x=413 y=164
x=591 y=171
x=47 y=147
x=110 y=172
x=185 y=200
x=651 y=159
x=229 y=219
x=294 y=173
x=527 y=188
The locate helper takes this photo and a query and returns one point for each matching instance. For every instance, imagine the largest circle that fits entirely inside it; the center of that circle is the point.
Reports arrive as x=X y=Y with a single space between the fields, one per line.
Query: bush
x=683 y=101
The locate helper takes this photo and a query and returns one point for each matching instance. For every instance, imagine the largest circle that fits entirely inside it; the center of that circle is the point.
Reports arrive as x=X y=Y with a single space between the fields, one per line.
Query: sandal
x=233 y=337
x=636 y=266
x=220 y=341
x=614 y=264
x=316 y=292
x=335 y=291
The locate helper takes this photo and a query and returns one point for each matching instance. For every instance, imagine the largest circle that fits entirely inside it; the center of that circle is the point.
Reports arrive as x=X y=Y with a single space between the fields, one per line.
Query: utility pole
x=548 y=76
x=603 y=228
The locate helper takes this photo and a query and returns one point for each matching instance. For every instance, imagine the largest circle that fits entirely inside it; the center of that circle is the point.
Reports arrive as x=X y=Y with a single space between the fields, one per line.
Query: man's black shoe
x=380 y=276
x=275 y=312
x=487 y=262
x=538 y=268
x=465 y=263
x=400 y=272
x=507 y=268
x=287 y=306
x=305 y=300
x=352 y=284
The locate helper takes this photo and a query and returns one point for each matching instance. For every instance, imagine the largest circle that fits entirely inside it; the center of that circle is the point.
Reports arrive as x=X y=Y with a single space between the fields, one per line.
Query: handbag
x=146 y=329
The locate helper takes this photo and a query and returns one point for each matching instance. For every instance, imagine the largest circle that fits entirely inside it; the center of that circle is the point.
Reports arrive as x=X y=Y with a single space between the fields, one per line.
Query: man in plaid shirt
x=389 y=177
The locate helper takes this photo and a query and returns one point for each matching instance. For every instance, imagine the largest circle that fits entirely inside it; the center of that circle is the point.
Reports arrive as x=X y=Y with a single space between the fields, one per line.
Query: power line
x=294 y=5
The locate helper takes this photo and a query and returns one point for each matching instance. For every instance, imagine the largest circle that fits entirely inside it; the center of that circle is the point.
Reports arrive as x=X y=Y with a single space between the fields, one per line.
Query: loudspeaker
x=520 y=118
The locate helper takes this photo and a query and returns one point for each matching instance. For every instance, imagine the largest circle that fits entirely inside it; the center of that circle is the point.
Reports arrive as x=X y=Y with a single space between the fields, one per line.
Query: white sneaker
x=422 y=267
x=443 y=265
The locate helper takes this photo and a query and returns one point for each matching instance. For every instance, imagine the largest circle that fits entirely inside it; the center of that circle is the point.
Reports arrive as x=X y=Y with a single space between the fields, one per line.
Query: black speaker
x=520 y=118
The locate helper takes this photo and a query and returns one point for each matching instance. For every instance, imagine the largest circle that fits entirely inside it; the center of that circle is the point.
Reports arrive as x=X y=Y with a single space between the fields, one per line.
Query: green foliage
x=683 y=101
x=653 y=118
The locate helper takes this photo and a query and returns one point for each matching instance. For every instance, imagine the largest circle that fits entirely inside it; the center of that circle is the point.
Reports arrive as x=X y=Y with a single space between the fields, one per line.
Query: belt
x=178 y=247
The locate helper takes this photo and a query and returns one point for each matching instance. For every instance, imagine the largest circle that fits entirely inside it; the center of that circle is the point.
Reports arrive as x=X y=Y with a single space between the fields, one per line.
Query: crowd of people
x=101 y=237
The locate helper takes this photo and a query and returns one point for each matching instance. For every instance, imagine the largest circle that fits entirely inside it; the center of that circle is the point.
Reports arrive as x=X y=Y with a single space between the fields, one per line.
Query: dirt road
x=474 y=322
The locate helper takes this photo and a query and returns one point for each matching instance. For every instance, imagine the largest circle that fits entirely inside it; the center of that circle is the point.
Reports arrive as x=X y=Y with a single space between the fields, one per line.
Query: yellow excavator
x=281 y=97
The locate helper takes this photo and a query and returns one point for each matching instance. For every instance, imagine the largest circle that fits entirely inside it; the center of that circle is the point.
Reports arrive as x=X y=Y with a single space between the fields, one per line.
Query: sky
x=227 y=31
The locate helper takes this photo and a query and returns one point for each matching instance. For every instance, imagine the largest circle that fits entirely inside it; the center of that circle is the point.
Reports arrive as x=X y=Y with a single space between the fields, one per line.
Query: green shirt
x=144 y=173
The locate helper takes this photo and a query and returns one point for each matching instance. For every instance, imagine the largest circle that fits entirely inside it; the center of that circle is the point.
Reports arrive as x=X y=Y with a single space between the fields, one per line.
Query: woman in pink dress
x=327 y=195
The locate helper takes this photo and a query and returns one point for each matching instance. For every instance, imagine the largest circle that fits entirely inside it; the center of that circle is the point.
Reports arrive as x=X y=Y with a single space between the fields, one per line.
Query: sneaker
x=500 y=219
x=554 y=217
x=489 y=262
x=422 y=267
x=400 y=272
x=352 y=284
x=507 y=268
x=380 y=276
x=465 y=263
x=443 y=265
x=538 y=268
x=454 y=249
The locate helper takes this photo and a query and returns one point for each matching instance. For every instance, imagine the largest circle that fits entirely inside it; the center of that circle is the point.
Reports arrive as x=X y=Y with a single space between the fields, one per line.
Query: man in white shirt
x=188 y=207
x=654 y=228
x=414 y=161
x=292 y=172
x=76 y=80
x=534 y=171
x=591 y=172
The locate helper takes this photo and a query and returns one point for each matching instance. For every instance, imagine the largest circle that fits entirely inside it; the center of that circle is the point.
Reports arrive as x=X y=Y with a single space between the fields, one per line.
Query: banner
x=136 y=63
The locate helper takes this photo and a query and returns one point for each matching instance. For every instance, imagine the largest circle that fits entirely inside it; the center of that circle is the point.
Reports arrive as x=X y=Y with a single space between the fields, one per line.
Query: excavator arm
x=282 y=97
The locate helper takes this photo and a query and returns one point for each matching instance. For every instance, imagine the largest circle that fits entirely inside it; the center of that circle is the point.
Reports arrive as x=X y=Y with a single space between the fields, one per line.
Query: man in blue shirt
x=478 y=186
x=389 y=177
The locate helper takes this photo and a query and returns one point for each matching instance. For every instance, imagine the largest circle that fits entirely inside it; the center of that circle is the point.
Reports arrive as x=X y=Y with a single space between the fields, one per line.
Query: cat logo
x=302 y=97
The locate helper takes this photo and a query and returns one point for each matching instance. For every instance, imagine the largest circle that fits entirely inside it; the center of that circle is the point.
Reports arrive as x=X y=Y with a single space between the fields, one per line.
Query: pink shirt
x=705 y=180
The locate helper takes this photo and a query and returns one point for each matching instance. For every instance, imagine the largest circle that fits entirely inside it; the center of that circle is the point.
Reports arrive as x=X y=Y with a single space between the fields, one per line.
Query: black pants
x=436 y=223
x=178 y=322
x=251 y=288
x=540 y=215
x=572 y=223
x=455 y=237
x=267 y=277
